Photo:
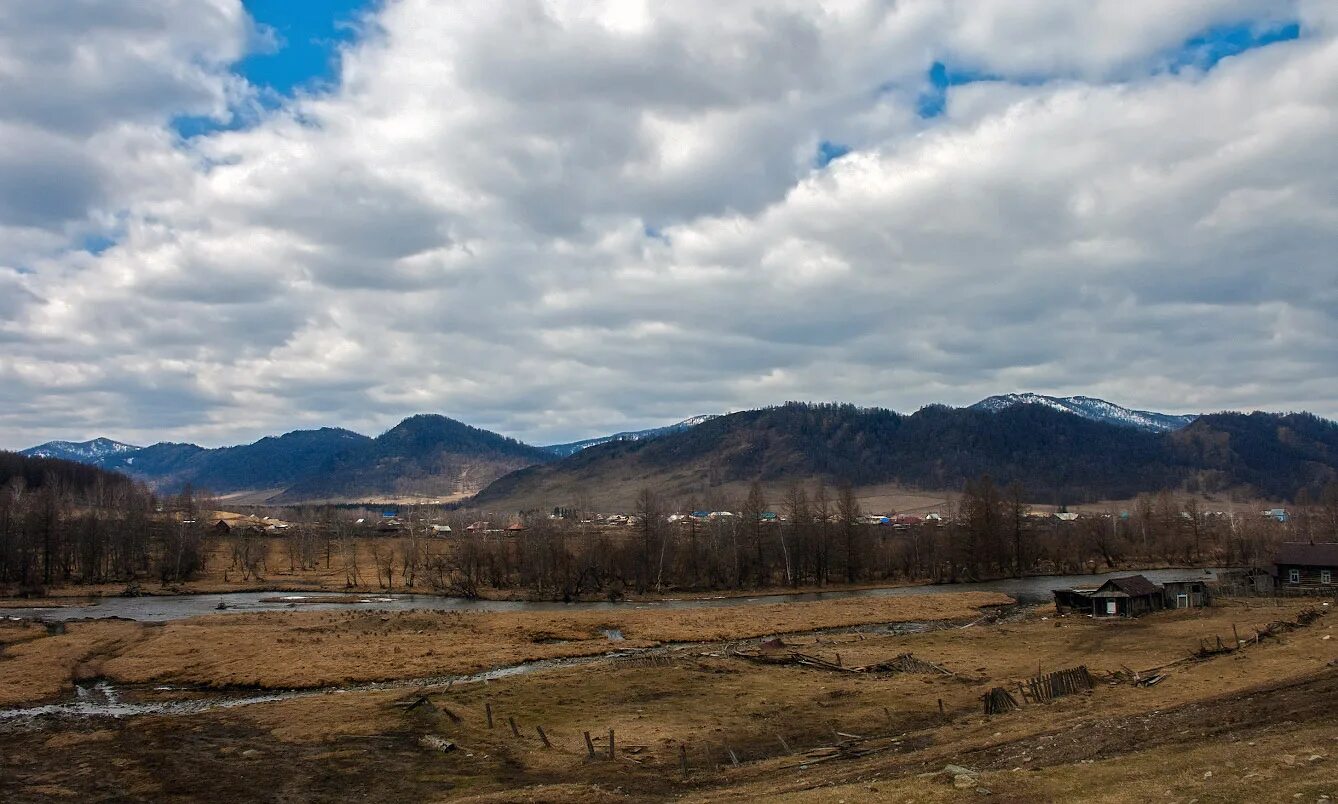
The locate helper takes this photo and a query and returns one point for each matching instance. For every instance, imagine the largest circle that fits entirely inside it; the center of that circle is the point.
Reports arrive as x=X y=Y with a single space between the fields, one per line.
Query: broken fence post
x=784 y=744
x=589 y=745
x=543 y=737
x=487 y=709
x=610 y=743
x=514 y=730
x=683 y=758
x=732 y=756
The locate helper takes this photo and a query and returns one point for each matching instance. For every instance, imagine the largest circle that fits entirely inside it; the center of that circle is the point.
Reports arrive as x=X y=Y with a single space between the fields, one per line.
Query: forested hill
x=273 y=463
x=66 y=477
x=423 y=456
x=1054 y=454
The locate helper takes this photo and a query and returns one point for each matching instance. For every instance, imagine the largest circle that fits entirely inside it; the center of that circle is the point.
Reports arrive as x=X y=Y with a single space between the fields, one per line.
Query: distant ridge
x=1052 y=451
x=426 y=455
x=91 y=452
x=1098 y=410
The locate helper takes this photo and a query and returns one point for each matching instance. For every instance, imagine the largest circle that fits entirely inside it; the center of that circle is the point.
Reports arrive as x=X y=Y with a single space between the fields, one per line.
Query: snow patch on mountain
x=1091 y=408
x=563 y=450
x=94 y=451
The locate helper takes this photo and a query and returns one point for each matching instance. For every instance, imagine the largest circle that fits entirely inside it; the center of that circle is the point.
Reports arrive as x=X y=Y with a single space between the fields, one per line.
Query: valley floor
x=1256 y=724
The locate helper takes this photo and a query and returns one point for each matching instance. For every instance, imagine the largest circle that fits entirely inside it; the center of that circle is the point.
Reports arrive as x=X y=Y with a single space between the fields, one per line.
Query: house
x=1127 y=597
x=1280 y=514
x=441 y=530
x=1306 y=566
x=222 y=528
x=1130 y=596
x=515 y=527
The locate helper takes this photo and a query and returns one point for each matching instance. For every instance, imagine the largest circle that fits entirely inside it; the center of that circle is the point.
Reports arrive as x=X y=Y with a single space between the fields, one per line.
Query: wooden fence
x=1057 y=684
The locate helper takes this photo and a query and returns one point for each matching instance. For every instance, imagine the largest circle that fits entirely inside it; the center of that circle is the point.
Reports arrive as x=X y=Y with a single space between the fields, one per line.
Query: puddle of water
x=613 y=634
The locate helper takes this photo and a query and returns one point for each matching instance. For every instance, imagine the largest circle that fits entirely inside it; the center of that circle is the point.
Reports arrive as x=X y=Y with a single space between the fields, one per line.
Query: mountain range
x=1071 y=448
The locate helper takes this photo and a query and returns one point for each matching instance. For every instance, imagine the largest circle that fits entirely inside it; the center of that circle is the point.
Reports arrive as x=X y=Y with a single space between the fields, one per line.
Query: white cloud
x=557 y=219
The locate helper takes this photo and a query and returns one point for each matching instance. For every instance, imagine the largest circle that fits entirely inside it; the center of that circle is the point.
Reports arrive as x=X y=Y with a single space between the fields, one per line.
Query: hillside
x=274 y=462
x=75 y=478
x=1055 y=454
x=563 y=450
x=423 y=456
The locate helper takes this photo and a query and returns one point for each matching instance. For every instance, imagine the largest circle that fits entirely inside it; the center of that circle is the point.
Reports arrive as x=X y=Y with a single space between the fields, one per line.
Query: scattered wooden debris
x=413 y=702
x=907 y=663
x=775 y=651
x=997 y=701
x=1127 y=676
x=852 y=747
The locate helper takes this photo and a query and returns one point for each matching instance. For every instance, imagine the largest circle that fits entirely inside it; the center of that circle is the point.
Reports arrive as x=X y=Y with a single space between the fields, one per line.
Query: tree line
x=819 y=538
x=63 y=522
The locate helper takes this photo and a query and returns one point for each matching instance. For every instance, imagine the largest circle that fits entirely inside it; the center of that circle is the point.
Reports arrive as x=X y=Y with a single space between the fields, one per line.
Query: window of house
x=1326 y=576
x=1293 y=576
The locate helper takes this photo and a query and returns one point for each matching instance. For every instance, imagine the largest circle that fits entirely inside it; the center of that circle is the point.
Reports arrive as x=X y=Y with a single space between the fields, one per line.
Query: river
x=176 y=607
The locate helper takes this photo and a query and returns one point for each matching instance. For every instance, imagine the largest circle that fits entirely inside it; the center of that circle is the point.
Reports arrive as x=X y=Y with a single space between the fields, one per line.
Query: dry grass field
x=1254 y=725
x=284 y=650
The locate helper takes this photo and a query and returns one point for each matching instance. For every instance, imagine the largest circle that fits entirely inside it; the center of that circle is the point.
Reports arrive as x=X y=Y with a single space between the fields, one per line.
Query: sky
x=562 y=218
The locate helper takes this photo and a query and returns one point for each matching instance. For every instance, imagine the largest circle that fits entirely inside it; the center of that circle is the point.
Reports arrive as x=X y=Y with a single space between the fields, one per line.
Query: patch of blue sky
x=1205 y=50
x=829 y=152
x=299 y=50
x=933 y=100
x=96 y=243
x=188 y=126
x=308 y=36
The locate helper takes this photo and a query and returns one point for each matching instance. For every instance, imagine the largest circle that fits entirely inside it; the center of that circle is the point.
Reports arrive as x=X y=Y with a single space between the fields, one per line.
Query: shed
x=1186 y=593
x=1073 y=599
x=1306 y=566
x=1131 y=596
